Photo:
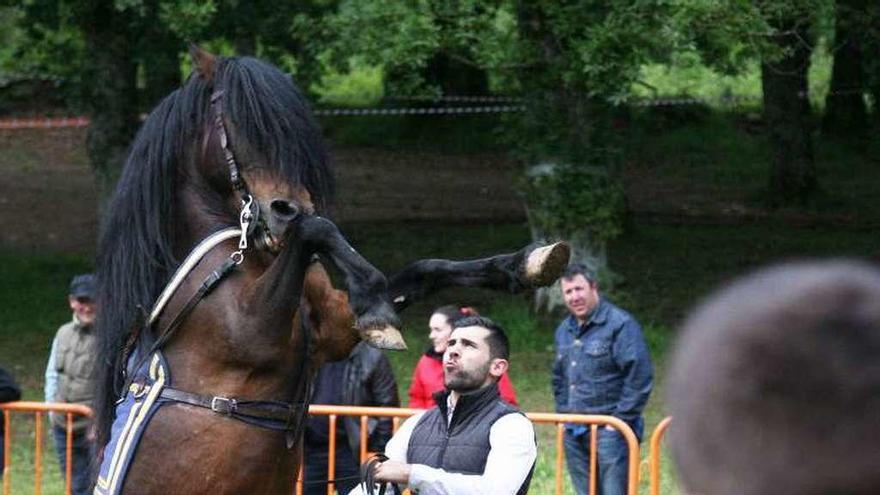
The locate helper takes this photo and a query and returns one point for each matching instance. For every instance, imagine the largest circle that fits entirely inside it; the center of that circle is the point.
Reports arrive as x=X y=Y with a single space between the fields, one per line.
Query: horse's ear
x=204 y=63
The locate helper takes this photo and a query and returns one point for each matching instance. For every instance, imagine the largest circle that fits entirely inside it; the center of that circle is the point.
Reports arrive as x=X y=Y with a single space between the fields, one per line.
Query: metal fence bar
x=7 y=453
x=654 y=456
x=331 y=460
x=38 y=453
x=594 y=444
x=560 y=457
x=38 y=408
x=595 y=421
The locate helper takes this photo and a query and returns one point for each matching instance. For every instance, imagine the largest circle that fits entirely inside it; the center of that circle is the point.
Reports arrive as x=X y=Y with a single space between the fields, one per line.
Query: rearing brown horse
x=215 y=382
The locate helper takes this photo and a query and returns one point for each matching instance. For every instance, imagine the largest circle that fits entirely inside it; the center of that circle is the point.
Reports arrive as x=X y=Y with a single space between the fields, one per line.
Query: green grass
x=708 y=154
x=665 y=270
x=442 y=133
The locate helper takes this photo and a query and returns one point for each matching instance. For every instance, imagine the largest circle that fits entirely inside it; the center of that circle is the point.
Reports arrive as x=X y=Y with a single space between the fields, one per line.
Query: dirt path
x=49 y=198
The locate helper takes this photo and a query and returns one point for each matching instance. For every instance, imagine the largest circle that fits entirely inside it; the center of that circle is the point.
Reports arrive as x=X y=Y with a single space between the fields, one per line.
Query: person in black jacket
x=9 y=392
x=364 y=379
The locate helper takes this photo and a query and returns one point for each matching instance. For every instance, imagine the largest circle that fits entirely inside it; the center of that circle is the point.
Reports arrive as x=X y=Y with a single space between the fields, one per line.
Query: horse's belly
x=187 y=450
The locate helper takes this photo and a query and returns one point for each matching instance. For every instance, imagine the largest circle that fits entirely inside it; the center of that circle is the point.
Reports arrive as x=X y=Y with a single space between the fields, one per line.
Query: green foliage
x=732 y=34
x=188 y=19
x=567 y=201
x=361 y=85
x=685 y=74
x=362 y=28
x=10 y=36
x=38 y=40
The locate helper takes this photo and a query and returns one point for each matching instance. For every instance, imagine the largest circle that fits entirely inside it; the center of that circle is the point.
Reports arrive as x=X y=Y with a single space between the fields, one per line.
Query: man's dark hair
x=575 y=269
x=499 y=346
x=774 y=384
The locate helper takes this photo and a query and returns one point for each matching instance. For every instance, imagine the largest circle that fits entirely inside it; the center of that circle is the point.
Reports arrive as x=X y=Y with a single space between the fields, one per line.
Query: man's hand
x=393 y=471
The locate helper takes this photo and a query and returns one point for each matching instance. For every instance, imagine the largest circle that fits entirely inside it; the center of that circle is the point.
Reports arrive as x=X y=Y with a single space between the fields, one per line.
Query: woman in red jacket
x=428 y=375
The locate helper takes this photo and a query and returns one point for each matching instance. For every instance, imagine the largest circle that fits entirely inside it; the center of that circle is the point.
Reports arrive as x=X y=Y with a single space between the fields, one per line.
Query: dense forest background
x=577 y=71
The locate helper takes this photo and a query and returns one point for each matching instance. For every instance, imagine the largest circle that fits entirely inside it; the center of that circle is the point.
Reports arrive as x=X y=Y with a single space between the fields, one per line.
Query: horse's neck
x=210 y=350
x=197 y=215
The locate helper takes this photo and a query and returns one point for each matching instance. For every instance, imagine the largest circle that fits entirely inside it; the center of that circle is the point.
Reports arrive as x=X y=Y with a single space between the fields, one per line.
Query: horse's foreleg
x=367 y=286
x=532 y=266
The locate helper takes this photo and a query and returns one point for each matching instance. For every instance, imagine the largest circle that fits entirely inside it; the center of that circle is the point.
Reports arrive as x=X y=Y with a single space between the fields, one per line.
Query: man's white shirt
x=511 y=456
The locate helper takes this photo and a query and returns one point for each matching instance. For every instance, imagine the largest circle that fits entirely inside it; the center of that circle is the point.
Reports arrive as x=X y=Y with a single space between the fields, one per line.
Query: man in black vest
x=472 y=442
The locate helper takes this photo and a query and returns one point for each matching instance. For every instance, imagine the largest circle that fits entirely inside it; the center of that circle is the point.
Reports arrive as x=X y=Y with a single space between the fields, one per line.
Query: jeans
x=81 y=456
x=611 y=461
x=316 y=462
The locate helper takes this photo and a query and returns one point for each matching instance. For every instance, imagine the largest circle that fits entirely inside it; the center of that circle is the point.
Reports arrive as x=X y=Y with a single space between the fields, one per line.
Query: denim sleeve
x=558 y=377
x=632 y=356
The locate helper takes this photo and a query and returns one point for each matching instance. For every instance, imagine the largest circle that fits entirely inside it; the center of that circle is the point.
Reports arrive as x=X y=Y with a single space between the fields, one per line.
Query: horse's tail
x=368 y=476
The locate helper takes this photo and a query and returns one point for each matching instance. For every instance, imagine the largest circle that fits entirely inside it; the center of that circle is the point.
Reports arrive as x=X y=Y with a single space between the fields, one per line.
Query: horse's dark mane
x=137 y=246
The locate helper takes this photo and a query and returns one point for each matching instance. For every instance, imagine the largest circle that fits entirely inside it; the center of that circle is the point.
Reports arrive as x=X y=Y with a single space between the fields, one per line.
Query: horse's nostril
x=284 y=209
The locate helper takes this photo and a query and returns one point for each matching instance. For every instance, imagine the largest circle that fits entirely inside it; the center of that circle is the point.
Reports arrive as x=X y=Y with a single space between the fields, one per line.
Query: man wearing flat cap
x=70 y=379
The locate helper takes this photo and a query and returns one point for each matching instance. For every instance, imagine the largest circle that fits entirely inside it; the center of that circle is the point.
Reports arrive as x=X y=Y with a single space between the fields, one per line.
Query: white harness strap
x=188 y=264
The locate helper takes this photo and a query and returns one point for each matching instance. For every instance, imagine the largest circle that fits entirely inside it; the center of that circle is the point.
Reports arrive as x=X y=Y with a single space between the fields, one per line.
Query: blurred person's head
x=441 y=321
x=775 y=384
x=81 y=298
x=580 y=291
x=477 y=354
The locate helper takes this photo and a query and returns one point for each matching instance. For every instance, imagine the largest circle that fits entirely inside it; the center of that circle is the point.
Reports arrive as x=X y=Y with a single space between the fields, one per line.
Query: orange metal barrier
x=595 y=421
x=38 y=408
x=654 y=456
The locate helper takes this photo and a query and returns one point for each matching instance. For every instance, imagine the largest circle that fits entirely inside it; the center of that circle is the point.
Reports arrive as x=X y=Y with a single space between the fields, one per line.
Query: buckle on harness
x=223 y=405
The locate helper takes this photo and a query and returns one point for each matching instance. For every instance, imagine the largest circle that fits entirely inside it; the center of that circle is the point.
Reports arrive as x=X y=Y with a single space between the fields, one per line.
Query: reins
x=368 y=476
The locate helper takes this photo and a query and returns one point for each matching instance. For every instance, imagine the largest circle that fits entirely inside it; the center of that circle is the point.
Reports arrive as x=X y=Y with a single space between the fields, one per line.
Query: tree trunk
x=160 y=49
x=787 y=115
x=875 y=98
x=246 y=26
x=871 y=44
x=454 y=77
x=110 y=77
x=845 y=112
x=568 y=144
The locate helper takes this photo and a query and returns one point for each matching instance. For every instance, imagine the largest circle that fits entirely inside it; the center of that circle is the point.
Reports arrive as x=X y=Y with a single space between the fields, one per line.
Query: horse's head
x=261 y=151
x=260 y=148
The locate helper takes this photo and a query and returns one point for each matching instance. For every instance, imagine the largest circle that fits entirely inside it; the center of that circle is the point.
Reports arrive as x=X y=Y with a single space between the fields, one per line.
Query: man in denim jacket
x=602 y=366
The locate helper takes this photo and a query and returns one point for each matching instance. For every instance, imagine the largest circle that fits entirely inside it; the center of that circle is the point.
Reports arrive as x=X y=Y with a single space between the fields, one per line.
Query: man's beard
x=467 y=380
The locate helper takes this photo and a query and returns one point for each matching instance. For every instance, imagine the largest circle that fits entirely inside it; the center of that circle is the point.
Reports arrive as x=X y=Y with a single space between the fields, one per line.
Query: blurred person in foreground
x=427 y=377
x=602 y=366
x=70 y=376
x=472 y=442
x=775 y=384
x=9 y=391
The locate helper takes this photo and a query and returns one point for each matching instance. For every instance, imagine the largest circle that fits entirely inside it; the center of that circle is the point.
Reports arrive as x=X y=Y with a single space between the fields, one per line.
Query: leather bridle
x=249 y=217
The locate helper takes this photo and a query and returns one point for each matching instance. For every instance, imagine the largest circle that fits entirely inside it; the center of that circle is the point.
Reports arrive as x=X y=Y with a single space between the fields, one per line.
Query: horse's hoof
x=386 y=337
x=545 y=264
